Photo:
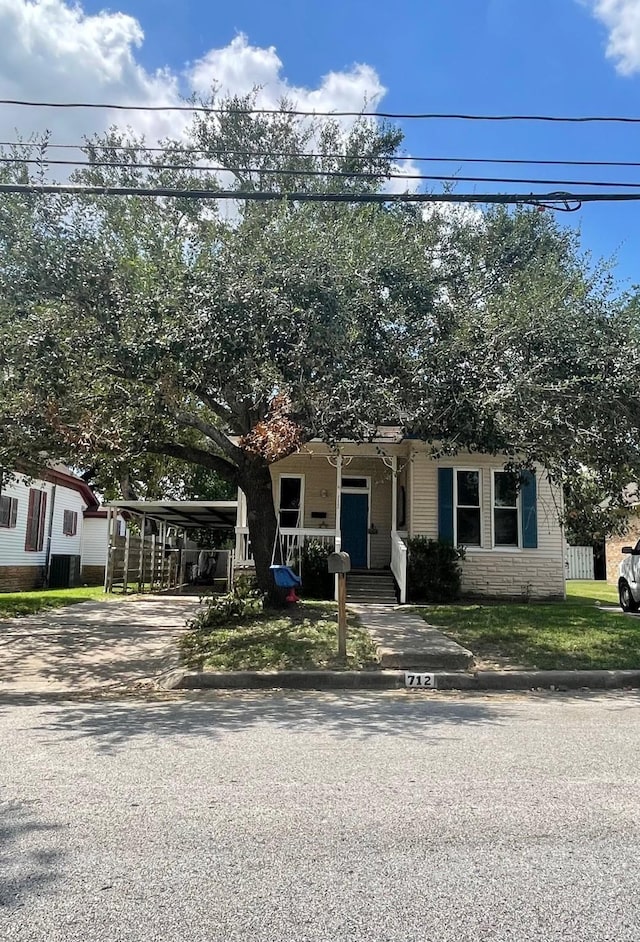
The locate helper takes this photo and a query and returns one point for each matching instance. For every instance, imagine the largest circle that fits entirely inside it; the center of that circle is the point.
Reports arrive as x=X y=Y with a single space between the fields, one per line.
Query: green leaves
x=132 y=327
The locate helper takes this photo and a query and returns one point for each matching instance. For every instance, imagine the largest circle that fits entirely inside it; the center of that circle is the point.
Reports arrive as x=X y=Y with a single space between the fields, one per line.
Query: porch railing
x=399 y=563
x=291 y=540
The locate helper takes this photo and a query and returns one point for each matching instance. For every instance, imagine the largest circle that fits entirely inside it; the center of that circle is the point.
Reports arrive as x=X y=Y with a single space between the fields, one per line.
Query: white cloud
x=52 y=50
x=239 y=67
x=622 y=20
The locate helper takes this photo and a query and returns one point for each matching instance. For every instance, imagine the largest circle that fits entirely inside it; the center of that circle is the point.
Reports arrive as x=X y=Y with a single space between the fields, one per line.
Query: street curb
x=395 y=679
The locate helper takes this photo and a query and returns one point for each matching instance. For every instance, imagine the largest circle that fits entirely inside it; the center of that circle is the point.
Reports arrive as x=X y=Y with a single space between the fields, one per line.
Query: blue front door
x=354 y=523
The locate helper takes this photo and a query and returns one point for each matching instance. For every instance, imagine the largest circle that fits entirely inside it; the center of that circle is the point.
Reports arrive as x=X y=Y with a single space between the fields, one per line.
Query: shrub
x=227 y=611
x=316 y=581
x=433 y=569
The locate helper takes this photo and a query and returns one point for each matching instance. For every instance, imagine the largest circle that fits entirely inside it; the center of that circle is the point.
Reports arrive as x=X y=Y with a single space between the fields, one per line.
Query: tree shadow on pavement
x=358 y=715
x=93 y=644
x=27 y=861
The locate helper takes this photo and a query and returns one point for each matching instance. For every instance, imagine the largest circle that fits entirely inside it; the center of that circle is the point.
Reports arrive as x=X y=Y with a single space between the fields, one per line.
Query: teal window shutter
x=529 y=492
x=445 y=504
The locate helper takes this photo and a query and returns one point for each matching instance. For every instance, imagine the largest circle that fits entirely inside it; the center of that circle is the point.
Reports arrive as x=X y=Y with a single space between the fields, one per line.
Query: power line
x=295 y=112
x=341 y=174
x=329 y=155
x=554 y=200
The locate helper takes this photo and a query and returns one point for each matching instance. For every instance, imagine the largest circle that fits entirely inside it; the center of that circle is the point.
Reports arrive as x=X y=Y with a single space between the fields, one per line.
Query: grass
x=302 y=638
x=574 y=634
x=15 y=604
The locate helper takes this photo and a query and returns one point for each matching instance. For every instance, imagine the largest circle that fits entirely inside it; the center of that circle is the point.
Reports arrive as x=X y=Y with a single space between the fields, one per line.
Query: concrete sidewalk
x=119 y=643
x=406 y=641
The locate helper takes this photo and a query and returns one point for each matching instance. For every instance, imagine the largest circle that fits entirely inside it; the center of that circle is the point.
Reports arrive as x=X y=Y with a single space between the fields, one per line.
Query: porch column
x=394 y=493
x=338 y=540
x=241 y=521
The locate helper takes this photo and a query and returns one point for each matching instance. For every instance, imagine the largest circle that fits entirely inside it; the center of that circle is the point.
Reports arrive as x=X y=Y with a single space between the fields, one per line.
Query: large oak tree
x=137 y=332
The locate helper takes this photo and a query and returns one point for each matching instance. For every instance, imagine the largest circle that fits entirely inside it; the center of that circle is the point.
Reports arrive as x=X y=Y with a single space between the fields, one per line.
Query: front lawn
x=14 y=604
x=575 y=634
x=304 y=637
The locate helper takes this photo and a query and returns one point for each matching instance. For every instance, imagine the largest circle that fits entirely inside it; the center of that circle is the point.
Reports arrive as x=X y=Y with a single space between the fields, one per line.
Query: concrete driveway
x=115 y=643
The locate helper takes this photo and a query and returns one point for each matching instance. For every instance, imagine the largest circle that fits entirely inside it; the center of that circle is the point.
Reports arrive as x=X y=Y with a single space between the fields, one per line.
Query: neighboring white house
x=41 y=527
x=95 y=544
x=368 y=499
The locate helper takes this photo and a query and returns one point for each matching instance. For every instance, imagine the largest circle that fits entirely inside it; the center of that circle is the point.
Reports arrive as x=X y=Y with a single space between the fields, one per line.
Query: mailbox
x=339 y=562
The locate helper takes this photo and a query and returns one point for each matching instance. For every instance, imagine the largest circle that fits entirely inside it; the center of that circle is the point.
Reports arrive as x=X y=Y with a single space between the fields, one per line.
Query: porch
x=352 y=500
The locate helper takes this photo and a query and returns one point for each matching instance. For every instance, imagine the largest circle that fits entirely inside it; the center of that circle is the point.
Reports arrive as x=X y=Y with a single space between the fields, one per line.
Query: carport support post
x=141 y=555
x=342 y=614
x=153 y=562
x=125 y=578
x=182 y=569
x=163 y=540
x=108 y=569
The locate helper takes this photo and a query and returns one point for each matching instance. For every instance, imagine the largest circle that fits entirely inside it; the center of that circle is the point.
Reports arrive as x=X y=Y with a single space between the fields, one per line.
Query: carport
x=154 y=552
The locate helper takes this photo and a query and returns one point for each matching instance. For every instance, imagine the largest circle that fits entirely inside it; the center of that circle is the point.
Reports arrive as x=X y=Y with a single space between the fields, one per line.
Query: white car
x=629 y=579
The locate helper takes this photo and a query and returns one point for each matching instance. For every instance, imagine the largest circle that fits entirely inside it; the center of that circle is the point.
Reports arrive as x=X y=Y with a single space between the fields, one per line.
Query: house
x=95 y=542
x=368 y=499
x=41 y=529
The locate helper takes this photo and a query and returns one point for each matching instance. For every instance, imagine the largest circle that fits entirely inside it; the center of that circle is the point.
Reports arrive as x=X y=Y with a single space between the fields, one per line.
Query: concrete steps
x=372 y=585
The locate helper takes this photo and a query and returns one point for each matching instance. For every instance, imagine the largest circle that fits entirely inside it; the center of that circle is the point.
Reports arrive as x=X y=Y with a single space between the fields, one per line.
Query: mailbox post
x=340 y=565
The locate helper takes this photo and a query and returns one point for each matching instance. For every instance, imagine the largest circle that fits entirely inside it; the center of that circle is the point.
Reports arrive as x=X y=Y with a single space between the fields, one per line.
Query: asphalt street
x=309 y=816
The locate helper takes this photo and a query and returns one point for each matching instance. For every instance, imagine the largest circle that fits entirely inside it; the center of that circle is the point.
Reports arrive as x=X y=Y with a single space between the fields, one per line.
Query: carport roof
x=186 y=514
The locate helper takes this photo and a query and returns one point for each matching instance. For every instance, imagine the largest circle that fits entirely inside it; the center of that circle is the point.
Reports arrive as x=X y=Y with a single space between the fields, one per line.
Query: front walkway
x=120 y=643
x=405 y=640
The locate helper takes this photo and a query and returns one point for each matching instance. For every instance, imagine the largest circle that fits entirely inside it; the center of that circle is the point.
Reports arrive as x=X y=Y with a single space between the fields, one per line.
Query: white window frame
x=299 y=477
x=504 y=547
x=74 y=531
x=13 y=512
x=471 y=546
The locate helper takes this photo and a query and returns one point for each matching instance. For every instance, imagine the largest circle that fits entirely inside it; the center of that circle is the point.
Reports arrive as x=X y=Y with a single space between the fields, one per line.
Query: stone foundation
x=21 y=578
x=512 y=576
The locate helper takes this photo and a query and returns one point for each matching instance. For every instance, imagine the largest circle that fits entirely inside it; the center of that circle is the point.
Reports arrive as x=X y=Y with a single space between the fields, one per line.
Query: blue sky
x=570 y=57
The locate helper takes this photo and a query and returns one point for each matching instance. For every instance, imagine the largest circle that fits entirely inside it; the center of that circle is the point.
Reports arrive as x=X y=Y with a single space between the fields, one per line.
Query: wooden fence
x=135 y=565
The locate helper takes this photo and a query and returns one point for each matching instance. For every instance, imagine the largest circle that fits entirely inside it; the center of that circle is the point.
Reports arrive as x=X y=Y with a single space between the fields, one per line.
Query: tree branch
x=210 y=431
x=216 y=407
x=199 y=456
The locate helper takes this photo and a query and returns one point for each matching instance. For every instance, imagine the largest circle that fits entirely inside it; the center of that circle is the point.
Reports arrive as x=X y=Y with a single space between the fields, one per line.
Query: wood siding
x=516 y=572
x=94 y=542
x=536 y=573
x=25 y=569
x=320 y=475
x=12 y=551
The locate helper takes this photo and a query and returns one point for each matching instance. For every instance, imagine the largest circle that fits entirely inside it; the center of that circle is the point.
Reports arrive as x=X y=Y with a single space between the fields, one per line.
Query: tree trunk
x=255 y=481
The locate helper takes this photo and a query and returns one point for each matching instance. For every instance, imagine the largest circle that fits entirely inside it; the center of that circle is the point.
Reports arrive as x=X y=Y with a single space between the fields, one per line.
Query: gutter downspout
x=47 y=559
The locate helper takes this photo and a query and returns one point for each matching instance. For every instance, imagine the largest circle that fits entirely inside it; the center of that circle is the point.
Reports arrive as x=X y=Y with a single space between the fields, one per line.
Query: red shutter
x=29 y=543
x=43 y=519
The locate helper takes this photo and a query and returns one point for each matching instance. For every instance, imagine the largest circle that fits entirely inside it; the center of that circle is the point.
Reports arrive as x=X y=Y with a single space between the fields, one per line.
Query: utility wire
x=420 y=116
x=554 y=200
x=328 y=156
x=321 y=173
x=324 y=173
